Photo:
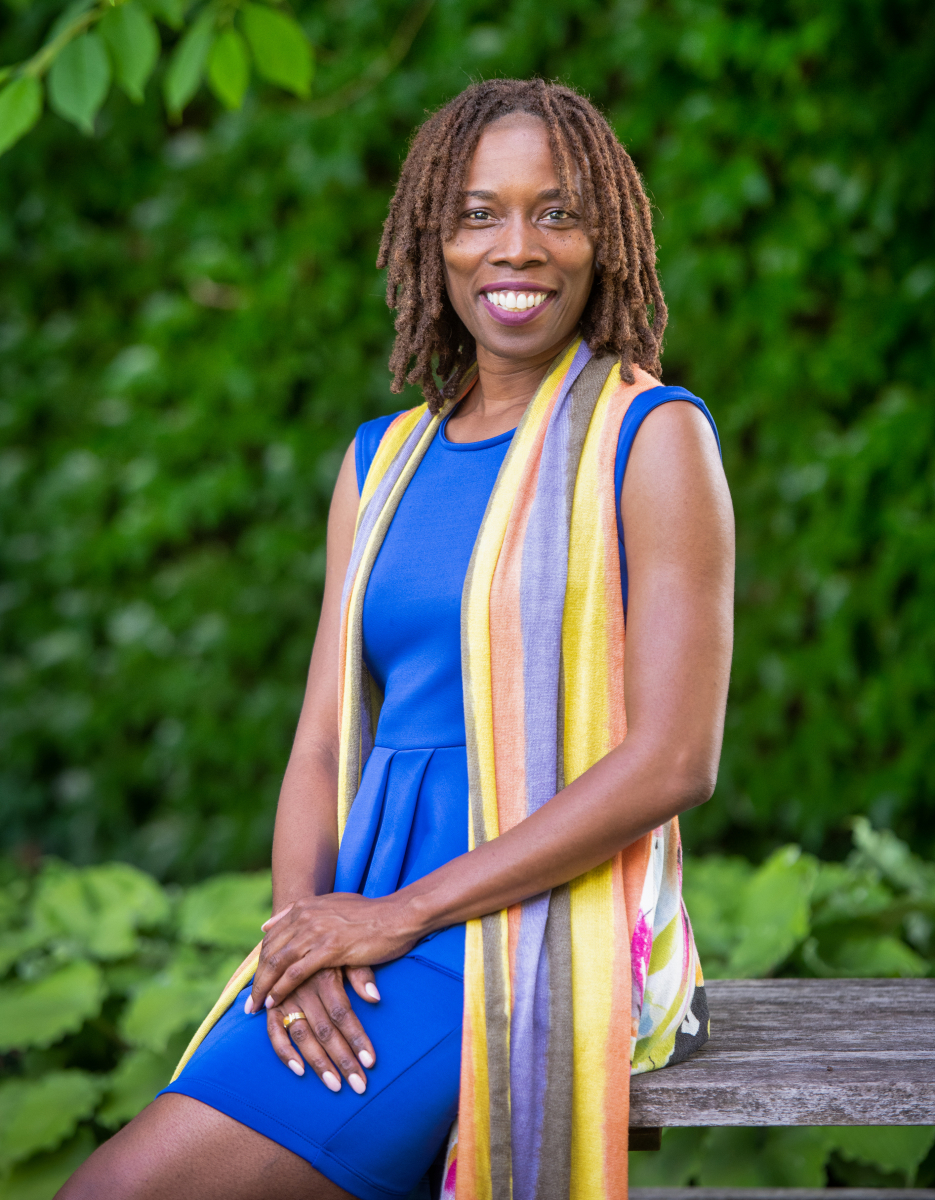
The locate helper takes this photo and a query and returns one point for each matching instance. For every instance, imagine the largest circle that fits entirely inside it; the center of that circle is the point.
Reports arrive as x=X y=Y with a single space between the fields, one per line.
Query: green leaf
x=281 y=51
x=227 y=911
x=763 y=1158
x=42 y=1176
x=66 y=17
x=873 y=958
x=37 y=1114
x=17 y=942
x=713 y=888
x=774 y=913
x=890 y=1147
x=133 y=42
x=229 y=68
x=140 y=1075
x=187 y=65
x=39 y=1013
x=170 y=12
x=177 y=997
x=882 y=849
x=99 y=907
x=673 y=1165
x=844 y=893
x=20 y=107
x=78 y=81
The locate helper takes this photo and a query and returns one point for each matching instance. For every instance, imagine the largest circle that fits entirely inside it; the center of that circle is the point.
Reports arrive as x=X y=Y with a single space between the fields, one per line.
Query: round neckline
x=487 y=442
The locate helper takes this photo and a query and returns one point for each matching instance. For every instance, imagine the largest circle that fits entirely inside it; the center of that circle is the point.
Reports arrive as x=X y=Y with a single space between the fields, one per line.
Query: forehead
x=513 y=152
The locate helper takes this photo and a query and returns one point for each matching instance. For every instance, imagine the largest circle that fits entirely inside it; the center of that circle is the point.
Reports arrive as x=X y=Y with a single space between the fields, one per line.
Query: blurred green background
x=192 y=327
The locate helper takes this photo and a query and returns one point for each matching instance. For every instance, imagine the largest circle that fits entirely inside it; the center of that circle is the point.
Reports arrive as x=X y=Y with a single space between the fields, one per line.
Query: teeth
x=516 y=301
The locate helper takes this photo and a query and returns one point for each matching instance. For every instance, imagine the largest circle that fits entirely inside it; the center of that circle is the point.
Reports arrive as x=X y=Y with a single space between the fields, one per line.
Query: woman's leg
x=180 y=1148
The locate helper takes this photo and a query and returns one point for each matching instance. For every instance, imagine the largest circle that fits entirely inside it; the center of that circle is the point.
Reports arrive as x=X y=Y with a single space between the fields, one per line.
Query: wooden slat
x=803 y=1052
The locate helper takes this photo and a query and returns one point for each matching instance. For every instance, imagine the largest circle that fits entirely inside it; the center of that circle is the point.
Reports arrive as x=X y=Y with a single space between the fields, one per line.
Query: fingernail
x=331 y=1081
x=295 y=1067
x=275 y=917
x=366 y=1058
x=357 y=1084
x=248 y=1007
x=371 y=990
x=269 y=1002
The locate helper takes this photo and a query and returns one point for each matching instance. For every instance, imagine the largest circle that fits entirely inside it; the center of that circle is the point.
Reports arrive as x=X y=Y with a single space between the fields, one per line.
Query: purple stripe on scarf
x=529 y=1041
x=542 y=601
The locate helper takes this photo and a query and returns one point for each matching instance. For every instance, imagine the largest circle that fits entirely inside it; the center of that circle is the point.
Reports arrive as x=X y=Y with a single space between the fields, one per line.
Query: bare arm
x=305 y=840
x=680 y=553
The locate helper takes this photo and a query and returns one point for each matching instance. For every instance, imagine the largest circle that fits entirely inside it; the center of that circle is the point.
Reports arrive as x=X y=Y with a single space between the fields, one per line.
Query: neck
x=497 y=401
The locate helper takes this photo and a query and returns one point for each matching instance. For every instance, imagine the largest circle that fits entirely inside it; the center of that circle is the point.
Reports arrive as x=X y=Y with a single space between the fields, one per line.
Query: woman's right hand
x=329 y=1037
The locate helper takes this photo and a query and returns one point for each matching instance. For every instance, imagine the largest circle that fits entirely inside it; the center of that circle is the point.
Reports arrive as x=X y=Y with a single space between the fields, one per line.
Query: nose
x=518 y=245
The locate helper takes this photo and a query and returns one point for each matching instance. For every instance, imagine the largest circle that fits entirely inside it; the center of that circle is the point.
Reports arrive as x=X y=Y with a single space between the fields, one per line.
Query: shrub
x=106 y=974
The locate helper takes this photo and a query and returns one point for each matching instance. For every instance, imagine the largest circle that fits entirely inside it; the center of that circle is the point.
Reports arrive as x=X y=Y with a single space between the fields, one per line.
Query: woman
x=467 y=798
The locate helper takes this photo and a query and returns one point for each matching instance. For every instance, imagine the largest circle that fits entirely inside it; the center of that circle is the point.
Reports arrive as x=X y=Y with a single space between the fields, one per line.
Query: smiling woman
x=477 y=828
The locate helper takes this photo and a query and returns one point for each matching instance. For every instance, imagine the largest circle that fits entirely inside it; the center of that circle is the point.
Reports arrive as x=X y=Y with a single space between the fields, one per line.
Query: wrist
x=413 y=914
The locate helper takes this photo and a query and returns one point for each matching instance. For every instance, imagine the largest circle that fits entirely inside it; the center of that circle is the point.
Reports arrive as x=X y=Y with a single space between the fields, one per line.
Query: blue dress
x=409 y=817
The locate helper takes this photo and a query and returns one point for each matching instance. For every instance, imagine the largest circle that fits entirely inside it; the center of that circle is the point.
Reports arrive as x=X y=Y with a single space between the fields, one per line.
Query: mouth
x=511 y=305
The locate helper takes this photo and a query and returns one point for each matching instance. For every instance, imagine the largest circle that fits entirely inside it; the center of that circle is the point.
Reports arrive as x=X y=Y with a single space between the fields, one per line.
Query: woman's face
x=519 y=267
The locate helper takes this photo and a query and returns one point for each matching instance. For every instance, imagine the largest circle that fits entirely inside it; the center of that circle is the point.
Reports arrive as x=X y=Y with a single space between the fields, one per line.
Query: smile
x=514 y=307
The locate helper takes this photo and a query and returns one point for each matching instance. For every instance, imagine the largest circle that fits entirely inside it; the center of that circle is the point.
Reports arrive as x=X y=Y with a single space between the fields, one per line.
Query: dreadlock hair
x=424 y=211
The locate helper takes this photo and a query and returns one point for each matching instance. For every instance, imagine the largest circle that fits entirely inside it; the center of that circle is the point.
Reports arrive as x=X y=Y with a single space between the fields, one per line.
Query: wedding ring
x=290 y=1017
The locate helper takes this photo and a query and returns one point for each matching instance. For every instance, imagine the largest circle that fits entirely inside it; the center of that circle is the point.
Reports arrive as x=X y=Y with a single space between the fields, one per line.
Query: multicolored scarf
x=551 y=984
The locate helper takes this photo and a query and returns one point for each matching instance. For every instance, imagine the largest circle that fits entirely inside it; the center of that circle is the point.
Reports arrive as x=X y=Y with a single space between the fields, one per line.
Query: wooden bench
x=799 y=1052
x=795 y=1052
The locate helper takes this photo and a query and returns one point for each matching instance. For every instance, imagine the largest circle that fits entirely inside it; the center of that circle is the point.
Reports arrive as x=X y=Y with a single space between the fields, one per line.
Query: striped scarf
x=551 y=984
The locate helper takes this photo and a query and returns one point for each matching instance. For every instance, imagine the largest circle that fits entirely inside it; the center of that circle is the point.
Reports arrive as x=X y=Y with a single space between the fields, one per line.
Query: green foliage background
x=191 y=328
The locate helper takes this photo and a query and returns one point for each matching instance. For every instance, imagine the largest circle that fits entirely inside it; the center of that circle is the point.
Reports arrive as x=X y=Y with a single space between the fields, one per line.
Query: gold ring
x=290 y=1017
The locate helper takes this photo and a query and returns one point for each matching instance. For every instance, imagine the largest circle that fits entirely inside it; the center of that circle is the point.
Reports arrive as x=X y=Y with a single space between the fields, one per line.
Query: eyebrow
x=548 y=194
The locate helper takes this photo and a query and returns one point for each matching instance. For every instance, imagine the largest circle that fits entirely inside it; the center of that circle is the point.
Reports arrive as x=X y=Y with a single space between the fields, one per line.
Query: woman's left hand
x=342 y=929
x=324 y=1028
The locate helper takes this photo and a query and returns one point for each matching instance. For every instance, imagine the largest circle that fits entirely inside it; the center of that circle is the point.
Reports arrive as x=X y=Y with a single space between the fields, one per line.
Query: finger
x=363 y=981
x=336 y=1004
x=282 y=967
x=279 y=1038
x=275 y=917
x=304 y=1041
x=287 y=973
x=321 y=1034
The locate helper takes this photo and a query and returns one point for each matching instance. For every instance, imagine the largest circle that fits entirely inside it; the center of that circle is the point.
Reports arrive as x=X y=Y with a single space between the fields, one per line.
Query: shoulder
x=674 y=467
x=666 y=404
x=367 y=440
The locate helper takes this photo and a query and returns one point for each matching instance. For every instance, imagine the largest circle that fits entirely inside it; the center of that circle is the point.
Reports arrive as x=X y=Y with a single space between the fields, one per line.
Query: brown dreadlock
x=423 y=214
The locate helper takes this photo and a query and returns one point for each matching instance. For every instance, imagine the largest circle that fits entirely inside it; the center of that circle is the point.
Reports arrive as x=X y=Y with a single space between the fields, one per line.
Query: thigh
x=377 y=1146
x=180 y=1147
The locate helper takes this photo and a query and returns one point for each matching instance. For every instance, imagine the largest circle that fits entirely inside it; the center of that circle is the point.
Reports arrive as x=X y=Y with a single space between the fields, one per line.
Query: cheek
x=457 y=259
x=575 y=256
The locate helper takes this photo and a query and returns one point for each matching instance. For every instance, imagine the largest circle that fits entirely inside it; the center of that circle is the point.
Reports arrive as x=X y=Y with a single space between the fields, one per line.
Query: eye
x=557 y=214
x=477 y=214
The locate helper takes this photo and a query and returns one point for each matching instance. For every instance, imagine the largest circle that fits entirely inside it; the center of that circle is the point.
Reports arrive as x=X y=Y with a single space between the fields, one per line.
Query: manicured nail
x=248 y=1007
x=357 y=1084
x=366 y=1058
x=295 y=1067
x=274 y=918
x=331 y=1081
x=371 y=990
x=269 y=1002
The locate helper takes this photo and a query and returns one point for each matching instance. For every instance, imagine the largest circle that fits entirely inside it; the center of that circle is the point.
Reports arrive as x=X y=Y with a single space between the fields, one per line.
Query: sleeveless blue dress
x=409 y=818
